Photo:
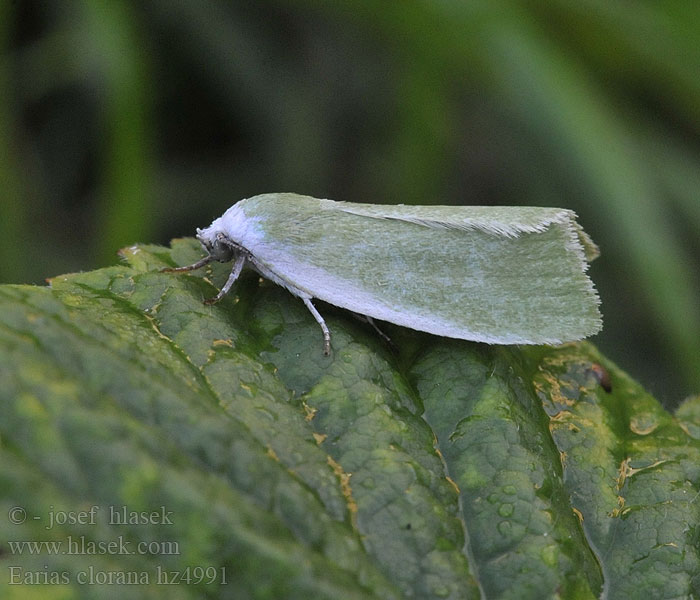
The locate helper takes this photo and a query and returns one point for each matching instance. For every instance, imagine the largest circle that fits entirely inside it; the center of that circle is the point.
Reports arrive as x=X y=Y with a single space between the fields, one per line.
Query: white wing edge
x=560 y=216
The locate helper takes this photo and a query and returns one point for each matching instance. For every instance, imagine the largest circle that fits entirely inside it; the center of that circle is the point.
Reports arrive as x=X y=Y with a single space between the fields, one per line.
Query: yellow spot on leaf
x=310 y=412
x=622 y=473
x=620 y=509
x=562 y=415
x=626 y=470
x=562 y=458
x=345 y=488
x=452 y=482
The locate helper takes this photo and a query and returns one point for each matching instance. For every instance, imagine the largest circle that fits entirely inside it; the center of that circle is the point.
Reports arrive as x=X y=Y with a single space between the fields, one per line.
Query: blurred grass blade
x=552 y=93
x=114 y=47
x=13 y=219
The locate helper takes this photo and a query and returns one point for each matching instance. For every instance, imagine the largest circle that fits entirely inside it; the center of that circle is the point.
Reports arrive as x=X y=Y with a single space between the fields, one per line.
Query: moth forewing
x=502 y=275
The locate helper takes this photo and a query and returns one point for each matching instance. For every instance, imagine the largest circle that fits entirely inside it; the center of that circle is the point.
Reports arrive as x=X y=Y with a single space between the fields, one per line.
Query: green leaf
x=444 y=470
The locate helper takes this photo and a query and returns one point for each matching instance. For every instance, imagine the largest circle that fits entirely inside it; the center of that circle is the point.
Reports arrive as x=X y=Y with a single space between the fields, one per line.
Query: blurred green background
x=136 y=121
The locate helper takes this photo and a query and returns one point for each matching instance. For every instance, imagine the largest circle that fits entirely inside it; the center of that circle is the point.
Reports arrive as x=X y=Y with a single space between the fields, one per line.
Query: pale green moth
x=500 y=275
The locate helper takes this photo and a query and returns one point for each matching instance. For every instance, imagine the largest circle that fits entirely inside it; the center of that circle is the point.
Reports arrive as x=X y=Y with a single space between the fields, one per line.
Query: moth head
x=216 y=244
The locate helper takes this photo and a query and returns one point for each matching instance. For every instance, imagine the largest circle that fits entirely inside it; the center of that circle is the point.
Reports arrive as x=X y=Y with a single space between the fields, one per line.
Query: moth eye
x=221 y=251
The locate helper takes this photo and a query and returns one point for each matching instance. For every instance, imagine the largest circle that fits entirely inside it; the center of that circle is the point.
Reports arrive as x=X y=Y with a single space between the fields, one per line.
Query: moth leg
x=370 y=321
x=322 y=323
x=198 y=265
x=383 y=335
x=235 y=272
